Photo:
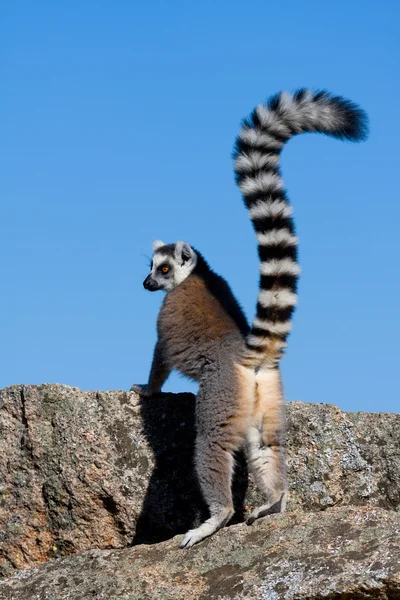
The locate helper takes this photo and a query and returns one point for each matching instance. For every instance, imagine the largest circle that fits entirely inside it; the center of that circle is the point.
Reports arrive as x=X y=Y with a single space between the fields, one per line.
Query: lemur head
x=171 y=264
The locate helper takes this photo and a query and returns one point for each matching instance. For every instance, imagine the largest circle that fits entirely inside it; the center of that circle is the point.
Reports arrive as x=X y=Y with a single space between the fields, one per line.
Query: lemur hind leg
x=265 y=444
x=214 y=466
x=223 y=414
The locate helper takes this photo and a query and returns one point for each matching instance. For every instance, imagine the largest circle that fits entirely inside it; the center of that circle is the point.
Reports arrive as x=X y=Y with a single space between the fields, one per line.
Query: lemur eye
x=165 y=269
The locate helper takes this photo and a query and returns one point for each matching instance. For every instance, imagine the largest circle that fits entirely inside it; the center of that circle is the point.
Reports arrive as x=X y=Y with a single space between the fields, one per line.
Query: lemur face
x=171 y=264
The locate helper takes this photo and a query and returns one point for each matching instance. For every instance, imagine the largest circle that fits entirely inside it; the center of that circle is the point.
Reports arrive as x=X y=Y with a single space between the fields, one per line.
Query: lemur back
x=203 y=332
x=182 y=318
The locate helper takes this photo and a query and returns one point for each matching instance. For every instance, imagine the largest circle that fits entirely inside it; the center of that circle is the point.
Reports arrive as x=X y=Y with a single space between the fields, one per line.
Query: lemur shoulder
x=203 y=333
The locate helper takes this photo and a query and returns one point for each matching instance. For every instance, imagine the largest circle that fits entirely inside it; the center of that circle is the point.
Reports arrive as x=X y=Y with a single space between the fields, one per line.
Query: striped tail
x=257 y=167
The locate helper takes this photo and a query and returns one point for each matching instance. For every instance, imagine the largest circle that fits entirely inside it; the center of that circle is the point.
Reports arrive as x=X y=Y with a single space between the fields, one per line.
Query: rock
x=342 y=553
x=82 y=470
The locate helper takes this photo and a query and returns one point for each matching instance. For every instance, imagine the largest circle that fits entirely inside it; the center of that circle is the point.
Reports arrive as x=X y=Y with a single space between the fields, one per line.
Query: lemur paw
x=277 y=506
x=142 y=390
x=191 y=538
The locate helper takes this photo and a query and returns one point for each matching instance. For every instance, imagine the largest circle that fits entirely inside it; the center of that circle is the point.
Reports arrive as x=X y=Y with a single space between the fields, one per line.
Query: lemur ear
x=184 y=253
x=158 y=244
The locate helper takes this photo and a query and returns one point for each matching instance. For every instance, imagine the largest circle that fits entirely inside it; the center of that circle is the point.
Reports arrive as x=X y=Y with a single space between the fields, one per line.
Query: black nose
x=149 y=284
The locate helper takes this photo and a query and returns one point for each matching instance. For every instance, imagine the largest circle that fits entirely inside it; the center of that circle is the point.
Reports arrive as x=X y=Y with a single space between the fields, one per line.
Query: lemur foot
x=276 y=506
x=194 y=536
x=142 y=390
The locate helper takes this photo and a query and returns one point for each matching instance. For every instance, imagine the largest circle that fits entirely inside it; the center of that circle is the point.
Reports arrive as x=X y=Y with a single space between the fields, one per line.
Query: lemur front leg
x=158 y=375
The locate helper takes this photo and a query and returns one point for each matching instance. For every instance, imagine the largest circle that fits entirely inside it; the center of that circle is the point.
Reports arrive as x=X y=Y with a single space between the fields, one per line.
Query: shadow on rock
x=173 y=502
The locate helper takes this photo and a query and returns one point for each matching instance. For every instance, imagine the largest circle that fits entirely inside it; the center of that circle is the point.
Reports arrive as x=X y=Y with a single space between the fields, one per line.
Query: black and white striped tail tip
x=271 y=124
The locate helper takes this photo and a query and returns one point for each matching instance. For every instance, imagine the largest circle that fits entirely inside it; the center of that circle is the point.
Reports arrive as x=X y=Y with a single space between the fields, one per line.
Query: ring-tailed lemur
x=203 y=332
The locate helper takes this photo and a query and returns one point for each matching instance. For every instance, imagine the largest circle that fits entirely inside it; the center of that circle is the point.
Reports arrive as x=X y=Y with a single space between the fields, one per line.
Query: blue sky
x=117 y=124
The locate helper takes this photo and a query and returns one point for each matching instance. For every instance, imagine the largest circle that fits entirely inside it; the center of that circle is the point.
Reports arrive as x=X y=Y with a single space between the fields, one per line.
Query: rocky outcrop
x=82 y=470
x=345 y=553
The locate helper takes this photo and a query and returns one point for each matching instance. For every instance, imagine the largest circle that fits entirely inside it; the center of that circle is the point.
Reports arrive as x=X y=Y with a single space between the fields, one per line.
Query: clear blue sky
x=117 y=125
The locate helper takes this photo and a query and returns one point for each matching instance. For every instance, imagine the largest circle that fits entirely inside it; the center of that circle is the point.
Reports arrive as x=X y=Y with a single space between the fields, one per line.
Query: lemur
x=202 y=330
